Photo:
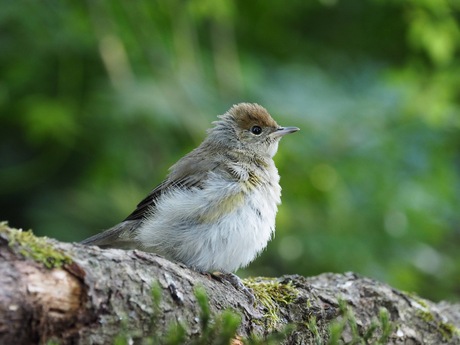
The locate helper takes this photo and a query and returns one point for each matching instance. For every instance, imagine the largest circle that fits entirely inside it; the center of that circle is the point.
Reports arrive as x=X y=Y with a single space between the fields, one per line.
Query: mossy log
x=63 y=293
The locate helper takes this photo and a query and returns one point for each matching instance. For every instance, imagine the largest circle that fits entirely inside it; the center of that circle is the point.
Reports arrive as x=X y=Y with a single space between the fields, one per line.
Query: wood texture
x=103 y=293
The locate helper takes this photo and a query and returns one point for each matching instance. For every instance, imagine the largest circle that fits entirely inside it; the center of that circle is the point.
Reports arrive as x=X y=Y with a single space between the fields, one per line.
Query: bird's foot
x=236 y=282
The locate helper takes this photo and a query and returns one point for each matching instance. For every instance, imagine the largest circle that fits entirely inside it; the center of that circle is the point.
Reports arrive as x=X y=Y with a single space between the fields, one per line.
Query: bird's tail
x=120 y=236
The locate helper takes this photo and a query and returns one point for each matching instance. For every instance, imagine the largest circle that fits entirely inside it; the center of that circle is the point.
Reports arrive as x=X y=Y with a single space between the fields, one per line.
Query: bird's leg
x=236 y=282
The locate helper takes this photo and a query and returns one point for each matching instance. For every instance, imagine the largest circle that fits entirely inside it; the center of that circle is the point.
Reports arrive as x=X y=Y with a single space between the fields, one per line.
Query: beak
x=283 y=131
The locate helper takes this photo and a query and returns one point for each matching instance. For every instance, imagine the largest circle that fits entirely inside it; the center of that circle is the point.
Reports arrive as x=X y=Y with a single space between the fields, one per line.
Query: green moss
x=271 y=293
x=447 y=330
x=425 y=315
x=378 y=332
x=216 y=329
x=416 y=298
x=36 y=248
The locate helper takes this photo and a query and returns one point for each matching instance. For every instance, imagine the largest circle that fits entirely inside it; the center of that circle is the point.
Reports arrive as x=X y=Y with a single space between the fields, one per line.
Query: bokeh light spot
x=290 y=248
x=323 y=177
x=427 y=259
x=395 y=223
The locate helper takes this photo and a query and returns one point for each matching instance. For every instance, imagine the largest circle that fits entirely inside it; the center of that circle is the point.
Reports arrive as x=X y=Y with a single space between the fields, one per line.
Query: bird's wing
x=151 y=199
x=186 y=175
x=118 y=236
x=121 y=235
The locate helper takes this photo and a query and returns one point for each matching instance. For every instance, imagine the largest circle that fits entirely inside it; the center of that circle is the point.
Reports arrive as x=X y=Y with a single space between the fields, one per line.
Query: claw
x=236 y=282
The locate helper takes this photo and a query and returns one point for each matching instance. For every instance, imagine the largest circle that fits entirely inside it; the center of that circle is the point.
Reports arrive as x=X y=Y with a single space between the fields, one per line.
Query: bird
x=216 y=209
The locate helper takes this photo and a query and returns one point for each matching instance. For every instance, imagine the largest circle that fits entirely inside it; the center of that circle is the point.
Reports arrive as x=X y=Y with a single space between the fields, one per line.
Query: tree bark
x=72 y=294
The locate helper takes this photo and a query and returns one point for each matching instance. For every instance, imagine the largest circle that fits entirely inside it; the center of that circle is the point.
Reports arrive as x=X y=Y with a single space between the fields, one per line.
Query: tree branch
x=74 y=294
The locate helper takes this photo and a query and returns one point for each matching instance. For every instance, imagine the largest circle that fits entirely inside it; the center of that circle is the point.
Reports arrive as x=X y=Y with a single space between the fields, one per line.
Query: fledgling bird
x=216 y=209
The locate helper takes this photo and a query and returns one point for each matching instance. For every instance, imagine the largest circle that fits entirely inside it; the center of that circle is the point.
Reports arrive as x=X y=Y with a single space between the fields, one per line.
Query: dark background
x=99 y=98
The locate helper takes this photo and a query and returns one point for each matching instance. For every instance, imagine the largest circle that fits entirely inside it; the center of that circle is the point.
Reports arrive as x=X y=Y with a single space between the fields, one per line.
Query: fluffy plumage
x=216 y=209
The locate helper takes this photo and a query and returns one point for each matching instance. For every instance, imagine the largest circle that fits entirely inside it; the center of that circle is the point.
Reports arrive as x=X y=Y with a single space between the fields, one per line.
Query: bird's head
x=249 y=126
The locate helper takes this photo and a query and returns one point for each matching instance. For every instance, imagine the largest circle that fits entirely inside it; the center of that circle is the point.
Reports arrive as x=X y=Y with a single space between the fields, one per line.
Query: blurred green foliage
x=99 y=98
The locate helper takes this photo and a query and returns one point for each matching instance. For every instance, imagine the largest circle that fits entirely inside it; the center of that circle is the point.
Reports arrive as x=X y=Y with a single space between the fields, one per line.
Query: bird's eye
x=256 y=130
